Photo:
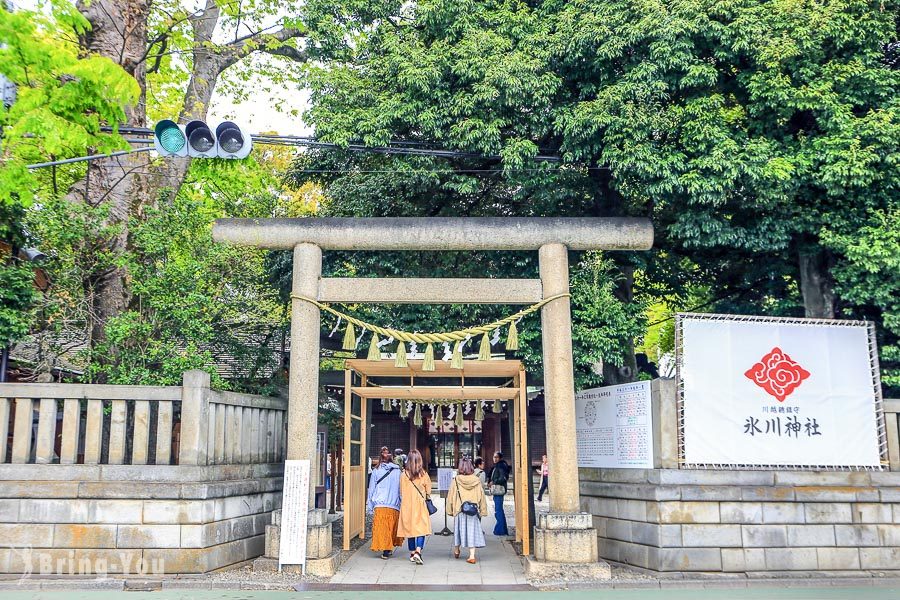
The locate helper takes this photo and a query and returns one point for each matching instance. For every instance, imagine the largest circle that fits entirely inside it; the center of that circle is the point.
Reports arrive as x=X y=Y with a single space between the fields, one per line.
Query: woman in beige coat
x=467 y=530
x=415 y=522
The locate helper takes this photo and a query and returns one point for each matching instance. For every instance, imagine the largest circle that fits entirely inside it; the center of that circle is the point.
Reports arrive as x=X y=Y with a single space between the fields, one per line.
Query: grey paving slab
x=497 y=563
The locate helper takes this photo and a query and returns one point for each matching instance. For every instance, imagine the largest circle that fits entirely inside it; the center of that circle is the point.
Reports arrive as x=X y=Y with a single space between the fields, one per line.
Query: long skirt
x=384 y=529
x=467 y=531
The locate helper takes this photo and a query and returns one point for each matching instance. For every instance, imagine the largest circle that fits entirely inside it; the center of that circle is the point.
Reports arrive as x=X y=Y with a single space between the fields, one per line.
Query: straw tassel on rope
x=439 y=415
x=459 y=415
x=456 y=361
x=400 y=359
x=479 y=411
x=428 y=363
x=385 y=405
x=512 y=340
x=349 y=338
x=417 y=416
x=374 y=350
x=404 y=409
x=484 y=352
x=496 y=408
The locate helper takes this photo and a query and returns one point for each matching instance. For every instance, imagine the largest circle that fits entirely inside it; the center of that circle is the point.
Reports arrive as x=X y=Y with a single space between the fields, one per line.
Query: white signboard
x=778 y=392
x=294 y=508
x=613 y=426
x=445 y=476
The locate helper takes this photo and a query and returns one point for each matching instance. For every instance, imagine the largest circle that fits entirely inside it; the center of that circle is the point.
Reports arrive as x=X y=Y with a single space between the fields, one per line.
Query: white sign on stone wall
x=294 y=510
x=614 y=426
x=778 y=392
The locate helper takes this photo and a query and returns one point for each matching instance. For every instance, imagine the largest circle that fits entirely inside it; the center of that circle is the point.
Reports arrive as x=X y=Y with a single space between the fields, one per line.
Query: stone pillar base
x=318 y=535
x=566 y=538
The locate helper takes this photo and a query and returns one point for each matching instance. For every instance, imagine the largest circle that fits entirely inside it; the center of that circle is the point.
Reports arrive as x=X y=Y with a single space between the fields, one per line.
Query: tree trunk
x=118 y=32
x=624 y=293
x=816 y=284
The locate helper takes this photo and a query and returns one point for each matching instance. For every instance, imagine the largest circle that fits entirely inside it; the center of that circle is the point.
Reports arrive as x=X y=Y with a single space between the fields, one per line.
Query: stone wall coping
x=679 y=477
x=138 y=473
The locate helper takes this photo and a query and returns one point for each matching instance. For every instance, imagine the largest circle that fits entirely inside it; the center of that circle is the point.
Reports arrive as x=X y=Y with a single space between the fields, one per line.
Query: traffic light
x=198 y=140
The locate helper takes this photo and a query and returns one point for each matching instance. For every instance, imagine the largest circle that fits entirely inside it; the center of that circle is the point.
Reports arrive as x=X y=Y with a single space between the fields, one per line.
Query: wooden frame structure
x=356 y=397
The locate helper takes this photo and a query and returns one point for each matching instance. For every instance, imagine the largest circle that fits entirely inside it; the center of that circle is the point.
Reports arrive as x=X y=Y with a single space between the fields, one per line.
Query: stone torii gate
x=564 y=535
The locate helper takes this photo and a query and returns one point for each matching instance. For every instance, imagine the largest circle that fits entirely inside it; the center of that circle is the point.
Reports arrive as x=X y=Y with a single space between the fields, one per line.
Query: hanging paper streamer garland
x=430 y=338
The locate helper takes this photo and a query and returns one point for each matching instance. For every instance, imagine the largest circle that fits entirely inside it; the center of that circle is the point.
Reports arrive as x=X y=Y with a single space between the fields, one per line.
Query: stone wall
x=671 y=519
x=58 y=519
x=745 y=521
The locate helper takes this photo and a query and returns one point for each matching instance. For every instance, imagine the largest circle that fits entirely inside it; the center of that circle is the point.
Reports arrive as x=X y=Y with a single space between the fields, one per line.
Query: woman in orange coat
x=415 y=489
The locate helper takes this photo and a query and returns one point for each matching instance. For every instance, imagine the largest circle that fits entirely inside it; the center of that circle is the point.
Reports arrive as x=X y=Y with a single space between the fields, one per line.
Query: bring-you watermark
x=99 y=563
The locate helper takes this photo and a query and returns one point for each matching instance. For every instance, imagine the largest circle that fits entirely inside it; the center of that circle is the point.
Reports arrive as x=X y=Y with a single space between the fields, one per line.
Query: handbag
x=498 y=490
x=468 y=508
x=429 y=505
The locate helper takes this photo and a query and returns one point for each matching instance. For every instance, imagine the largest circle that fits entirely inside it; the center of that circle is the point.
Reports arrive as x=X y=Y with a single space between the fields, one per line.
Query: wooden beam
x=437 y=393
x=396 y=290
x=471 y=368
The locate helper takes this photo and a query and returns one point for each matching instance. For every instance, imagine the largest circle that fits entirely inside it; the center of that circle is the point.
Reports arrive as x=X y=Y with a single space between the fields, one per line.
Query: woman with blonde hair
x=415 y=519
x=466 y=504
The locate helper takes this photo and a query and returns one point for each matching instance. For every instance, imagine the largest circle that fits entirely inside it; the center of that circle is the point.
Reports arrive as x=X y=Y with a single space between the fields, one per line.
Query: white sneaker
x=417 y=558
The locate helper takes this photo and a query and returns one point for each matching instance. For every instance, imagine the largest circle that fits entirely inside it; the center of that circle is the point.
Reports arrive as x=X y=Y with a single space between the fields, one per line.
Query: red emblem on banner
x=778 y=374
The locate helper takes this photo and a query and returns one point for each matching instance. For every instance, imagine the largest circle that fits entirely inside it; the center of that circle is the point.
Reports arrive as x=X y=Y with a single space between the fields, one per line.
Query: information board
x=614 y=427
x=767 y=391
x=294 y=509
x=445 y=476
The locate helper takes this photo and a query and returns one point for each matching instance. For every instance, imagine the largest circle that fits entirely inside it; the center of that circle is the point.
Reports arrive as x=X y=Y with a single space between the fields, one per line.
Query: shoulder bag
x=467 y=508
x=429 y=505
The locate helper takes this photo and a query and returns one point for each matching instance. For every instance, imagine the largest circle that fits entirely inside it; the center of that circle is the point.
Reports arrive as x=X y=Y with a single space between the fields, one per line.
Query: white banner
x=771 y=392
x=614 y=427
x=294 y=511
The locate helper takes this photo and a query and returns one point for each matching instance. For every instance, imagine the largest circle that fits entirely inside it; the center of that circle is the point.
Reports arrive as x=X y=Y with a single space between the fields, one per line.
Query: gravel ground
x=243 y=575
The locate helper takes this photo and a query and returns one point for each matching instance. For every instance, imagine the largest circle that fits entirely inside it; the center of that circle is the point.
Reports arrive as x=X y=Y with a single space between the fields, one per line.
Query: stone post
x=303 y=402
x=564 y=535
x=194 y=418
x=559 y=379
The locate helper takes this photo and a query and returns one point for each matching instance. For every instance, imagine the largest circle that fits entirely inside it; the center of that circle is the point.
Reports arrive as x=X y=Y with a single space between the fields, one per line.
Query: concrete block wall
x=745 y=521
x=59 y=519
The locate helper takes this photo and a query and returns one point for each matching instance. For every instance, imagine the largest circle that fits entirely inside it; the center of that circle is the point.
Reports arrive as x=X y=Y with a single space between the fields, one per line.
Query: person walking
x=545 y=478
x=384 y=502
x=466 y=504
x=415 y=520
x=499 y=480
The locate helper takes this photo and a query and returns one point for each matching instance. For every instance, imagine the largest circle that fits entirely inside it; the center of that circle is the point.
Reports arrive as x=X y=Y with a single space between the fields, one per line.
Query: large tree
x=744 y=129
x=177 y=56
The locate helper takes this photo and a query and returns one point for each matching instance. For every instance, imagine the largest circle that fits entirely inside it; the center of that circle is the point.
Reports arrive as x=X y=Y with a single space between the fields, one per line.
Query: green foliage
x=17 y=295
x=746 y=130
x=196 y=303
x=63 y=98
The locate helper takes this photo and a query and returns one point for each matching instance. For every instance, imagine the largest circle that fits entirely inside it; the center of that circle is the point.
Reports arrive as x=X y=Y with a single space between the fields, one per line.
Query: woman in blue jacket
x=384 y=501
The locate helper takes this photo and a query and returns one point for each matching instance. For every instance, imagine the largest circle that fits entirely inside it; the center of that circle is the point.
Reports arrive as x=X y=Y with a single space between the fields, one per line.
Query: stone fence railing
x=89 y=424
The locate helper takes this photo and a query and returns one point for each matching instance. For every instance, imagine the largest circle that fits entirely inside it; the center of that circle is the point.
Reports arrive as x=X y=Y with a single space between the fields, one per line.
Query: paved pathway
x=497 y=564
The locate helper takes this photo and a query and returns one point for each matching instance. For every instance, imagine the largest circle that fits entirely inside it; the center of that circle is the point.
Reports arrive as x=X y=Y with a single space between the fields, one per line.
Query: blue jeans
x=416 y=542
x=500 y=527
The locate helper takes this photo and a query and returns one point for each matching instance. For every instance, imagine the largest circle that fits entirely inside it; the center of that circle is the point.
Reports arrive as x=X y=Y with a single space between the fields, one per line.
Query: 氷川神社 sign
x=778 y=392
